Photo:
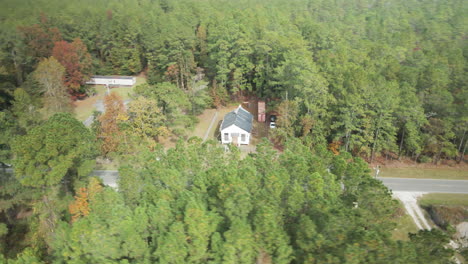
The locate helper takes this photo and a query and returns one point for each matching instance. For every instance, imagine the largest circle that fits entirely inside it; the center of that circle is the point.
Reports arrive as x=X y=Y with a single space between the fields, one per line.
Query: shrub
x=448 y=215
x=425 y=159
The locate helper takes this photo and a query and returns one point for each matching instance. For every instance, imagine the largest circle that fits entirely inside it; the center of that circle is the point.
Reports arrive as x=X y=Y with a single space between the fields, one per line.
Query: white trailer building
x=112 y=80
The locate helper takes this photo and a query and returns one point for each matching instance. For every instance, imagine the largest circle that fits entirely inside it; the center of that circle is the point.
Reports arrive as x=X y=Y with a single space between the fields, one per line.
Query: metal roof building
x=112 y=80
x=237 y=127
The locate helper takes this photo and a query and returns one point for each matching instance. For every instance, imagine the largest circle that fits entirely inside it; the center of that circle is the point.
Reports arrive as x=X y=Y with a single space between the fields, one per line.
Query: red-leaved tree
x=76 y=60
x=40 y=38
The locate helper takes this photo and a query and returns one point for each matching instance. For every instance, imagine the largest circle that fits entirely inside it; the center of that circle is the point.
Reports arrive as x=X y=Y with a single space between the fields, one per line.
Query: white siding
x=234 y=130
x=112 y=81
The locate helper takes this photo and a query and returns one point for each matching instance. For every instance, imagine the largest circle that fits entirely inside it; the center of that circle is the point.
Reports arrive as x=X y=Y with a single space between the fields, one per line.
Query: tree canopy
x=60 y=147
x=197 y=204
x=368 y=75
x=364 y=78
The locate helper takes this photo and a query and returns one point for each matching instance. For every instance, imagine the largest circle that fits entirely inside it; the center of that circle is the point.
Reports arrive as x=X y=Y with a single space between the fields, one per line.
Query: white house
x=112 y=80
x=236 y=127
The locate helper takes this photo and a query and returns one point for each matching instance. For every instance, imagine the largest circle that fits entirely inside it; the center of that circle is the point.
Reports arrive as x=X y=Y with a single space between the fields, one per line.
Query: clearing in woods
x=204 y=120
x=209 y=123
x=83 y=109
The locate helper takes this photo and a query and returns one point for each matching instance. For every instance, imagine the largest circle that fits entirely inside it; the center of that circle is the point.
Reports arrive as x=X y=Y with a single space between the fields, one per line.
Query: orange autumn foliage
x=334 y=146
x=79 y=207
x=110 y=131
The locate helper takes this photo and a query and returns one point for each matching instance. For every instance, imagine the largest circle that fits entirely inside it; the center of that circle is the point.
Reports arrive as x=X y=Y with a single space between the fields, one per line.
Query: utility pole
x=377 y=171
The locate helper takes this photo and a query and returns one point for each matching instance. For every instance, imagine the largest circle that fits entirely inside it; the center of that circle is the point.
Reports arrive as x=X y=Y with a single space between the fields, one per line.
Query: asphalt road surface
x=109 y=177
x=425 y=185
x=395 y=184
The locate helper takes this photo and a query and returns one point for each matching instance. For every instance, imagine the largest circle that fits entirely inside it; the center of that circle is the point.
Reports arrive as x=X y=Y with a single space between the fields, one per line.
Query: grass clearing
x=423 y=173
x=452 y=199
x=124 y=92
x=203 y=124
x=259 y=131
x=213 y=134
x=107 y=166
x=84 y=108
x=404 y=224
x=204 y=121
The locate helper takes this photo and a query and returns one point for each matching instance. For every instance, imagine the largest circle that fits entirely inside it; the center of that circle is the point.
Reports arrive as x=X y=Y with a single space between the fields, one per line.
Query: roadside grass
x=405 y=225
x=451 y=199
x=445 y=209
x=429 y=173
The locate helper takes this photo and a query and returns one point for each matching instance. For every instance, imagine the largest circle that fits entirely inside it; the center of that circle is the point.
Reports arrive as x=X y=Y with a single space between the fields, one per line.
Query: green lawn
x=405 y=225
x=124 y=92
x=203 y=124
x=433 y=173
x=213 y=134
x=444 y=199
x=83 y=109
x=204 y=121
x=114 y=165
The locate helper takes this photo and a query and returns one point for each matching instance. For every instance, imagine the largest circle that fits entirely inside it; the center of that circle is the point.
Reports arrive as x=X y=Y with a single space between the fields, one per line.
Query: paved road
x=425 y=185
x=109 y=177
x=395 y=184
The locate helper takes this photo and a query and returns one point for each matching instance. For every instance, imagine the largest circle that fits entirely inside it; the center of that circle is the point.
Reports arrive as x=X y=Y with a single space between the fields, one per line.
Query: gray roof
x=239 y=117
x=111 y=77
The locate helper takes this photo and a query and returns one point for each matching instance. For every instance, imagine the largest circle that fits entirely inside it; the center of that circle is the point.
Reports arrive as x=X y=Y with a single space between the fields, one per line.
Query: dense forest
x=367 y=77
x=197 y=204
x=373 y=76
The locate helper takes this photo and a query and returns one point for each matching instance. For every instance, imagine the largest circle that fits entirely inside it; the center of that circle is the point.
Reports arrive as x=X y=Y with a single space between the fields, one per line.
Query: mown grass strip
x=420 y=173
x=444 y=199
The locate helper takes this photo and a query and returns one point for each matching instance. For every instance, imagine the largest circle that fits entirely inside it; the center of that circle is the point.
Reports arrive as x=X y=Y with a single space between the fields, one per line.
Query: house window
x=243 y=137
x=226 y=136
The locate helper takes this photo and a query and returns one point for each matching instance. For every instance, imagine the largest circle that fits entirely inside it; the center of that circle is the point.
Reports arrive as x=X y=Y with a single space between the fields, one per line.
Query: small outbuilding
x=261 y=112
x=237 y=127
x=112 y=80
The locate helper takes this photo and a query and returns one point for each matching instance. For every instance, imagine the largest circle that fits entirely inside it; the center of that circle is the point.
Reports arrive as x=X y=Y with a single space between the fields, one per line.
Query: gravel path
x=410 y=201
x=211 y=125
